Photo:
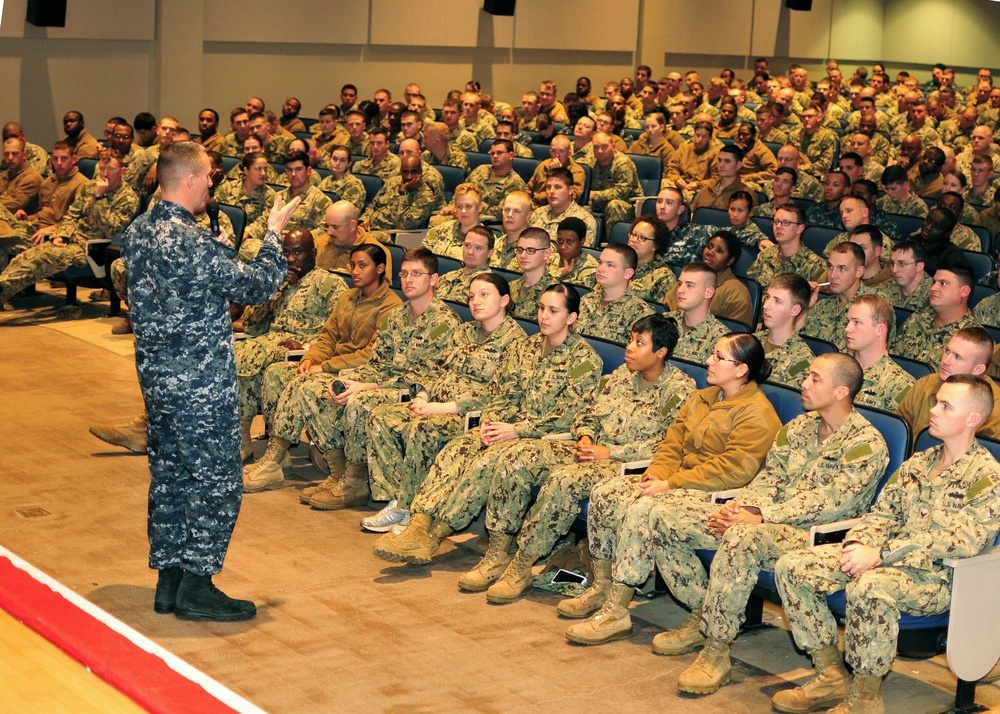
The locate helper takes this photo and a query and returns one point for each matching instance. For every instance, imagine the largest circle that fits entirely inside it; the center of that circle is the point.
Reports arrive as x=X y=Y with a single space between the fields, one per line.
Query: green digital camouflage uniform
x=88 y=218
x=235 y=175
x=613 y=187
x=296 y=312
x=790 y=361
x=711 y=445
x=804 y=482
x=445 y=239
x=770 y=263
x=137 y=163
x=912 y=206
x=393 y=208
x=387 y=168
x=348 y=188
x=827 y=319
x=953 y=516
x=696 y=342
x=988 y=311
x=401 y=447
x=405 y=352
x=462 y=140
x=454 y=286
x=495 y=188
x=917 y=300
x=806 y=187
x=526 y=299
x=452 y=157
x=819 y=148
x=885 y=385
x=583 y=271
x=543 y=218
x=255 y=205
x=481 y=129
x=626 y=415
x=653 y=281
x=310 y=214
x=535 y=394
x=611 y=321
x=921 y=340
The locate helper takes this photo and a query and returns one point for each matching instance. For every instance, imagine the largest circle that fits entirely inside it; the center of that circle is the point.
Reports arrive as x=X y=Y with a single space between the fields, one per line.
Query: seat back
x=461 y=309
x=815 y=238
x=452 y=176
x=756 y=299
x=477 y=158
x=611 y=353
x=696 y=371
x=817 y=345
x=372 y=185
x=524 y=167
x=711 y=217
x=896 y=433
x=650 y=171
x=981 y=263
x=787 y=402
x=396 y=251
x=912 y=367
x=237 y=216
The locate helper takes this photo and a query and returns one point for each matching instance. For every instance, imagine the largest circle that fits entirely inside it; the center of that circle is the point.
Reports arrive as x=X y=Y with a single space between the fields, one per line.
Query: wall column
x=176 y=84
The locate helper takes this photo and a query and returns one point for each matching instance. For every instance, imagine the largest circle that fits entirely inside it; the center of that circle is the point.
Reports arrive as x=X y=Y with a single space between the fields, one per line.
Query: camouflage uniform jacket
x=137 y=163
x=696 y=342
x=686 y=244
x=611 y=321
x=716 y=443
x=480 y=129
x=93 y=218
x=311 y=213
x=629 y=419
x=583 y=271
x=820 y=215
x=276 y=150
x=807 y=188
x=257 y=204
x=452 y=157
x=988 y=311
x=462 y=140
x=790 y=361
x=806 y=482
x=921 y=340
x=653 y=281
x=388 y=167
x=526 y=299
x=296 y=312
x=618 y=181
x=346 y=338
x=348 y=188
x=494 y=188
x=540 y=394
x=953 y=516
x=543 y=218
x=731 y=299
x=454 y=285
x=232 y=146
x=770 y=263
x=917 y=300
x=394 y=208
x=819 y=149
x=827 y=319
x=361 y=148
x=445 y=239
x=409 y=350
x=912 y=206
x=469 y=364
x=885 y=385
x=917 y=403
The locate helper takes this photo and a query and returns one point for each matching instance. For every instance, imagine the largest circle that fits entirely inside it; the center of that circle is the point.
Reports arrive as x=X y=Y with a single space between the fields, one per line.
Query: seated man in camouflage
x=786 y=303
x=311 y=212
x=898 y=198
x=515 y=215
x=614 y=181
x=782 y=186
x=341 y=181
x=870 y=321
x=910 y=286
x=439 y=152
x=477 y=248
x=533 y=250
x=560 y=204
x=698 y=327
x=806 y=186
x=686 y=240
x=610 y=312
x=288 y=321
x=101 y=210
x=404 y=202
x=498 y=179
x=827 y=317
x=788 y=255
x=381 y=163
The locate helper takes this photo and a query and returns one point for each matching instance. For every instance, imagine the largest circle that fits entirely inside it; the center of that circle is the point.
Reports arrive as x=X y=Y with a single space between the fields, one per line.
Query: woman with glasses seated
x=649 y=237
x=718 y=441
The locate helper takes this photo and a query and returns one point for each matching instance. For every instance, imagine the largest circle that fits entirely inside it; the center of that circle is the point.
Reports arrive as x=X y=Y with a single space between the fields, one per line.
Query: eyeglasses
x=900 y=263
x=404 y=274
x=783 y=223
x=528 y=251
x=718 y=357
x=633 y=234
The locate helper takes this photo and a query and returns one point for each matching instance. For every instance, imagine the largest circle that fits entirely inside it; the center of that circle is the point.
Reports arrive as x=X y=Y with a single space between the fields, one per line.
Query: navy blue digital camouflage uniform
x=181 y=280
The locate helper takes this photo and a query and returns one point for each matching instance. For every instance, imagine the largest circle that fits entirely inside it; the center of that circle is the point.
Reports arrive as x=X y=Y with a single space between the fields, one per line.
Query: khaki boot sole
x=673 y=648
x=791 y=708
x=268 y=486
x=386 y=552
x=611 y=637
x=319 y=504
x=704 y=689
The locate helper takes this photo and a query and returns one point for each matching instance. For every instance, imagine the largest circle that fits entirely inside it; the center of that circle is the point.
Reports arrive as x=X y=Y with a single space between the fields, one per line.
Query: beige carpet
x=338 y=630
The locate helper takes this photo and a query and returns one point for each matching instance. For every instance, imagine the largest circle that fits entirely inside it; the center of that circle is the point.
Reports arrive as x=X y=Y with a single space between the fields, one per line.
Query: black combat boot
x=166 y=590
x=199 y=599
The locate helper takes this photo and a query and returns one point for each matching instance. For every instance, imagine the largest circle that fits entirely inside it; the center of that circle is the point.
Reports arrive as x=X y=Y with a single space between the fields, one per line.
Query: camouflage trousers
x=610 y=500
x=614 y=211
x=332 y=426
x=12 y=242
x=278 y=402
x=558 y=503
x=117 y=273
x=36 y=263
x=528 y=464
x=458 y=483
x=401 y=449
x=253 y=356
x=679 y=527
x=875 y=600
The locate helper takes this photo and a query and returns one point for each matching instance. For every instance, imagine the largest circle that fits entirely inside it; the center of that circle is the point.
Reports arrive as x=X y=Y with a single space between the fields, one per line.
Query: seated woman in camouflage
x=731 y=299
x=537 y=390
x=740 y=205
x=403 y=438
x=447 y=238
x=649 y=237
x=573 y=265
x=252 y=145
x=250 y=191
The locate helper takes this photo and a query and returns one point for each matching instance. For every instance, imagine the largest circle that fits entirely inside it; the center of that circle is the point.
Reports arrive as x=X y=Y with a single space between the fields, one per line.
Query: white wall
x=176 y=56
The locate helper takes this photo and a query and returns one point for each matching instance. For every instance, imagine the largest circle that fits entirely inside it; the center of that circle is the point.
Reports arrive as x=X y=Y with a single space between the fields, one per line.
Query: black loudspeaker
x=499 y=7
x=799 y=4
x=47 y=13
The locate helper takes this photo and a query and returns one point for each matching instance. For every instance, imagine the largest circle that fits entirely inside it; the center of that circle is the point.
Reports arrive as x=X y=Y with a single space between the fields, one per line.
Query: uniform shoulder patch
x=858 y=452
x=782 y=438
x=799 y=367
x=978 y=487
x=670 y=405
x=894 y=479
x=582 y=369
x=440 y=331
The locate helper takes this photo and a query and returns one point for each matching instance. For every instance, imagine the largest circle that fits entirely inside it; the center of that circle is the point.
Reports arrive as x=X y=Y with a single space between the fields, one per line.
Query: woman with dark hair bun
x=718 y=441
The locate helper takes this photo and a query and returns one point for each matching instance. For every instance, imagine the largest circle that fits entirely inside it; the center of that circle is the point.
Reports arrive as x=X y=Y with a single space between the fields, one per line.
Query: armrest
x=561 y=436
x=472 y=420
x=831 y=532
x=294 y=355
x=634 y=467
x=723 y=496
x=987 y=556
x=94 y=250
x=638 y=201
x=346 y=371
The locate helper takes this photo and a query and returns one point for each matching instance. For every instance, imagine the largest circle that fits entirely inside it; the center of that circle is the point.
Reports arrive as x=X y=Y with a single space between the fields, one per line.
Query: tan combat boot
x=710 y=671
x=863 y=697
x=611 y=622
x=490 y=567
x=826 y=688
x=416 y=544
x=514 y=582
x=246 y=442
x=593 y=597
x=684 y=639
x=333 y=463
x=131 y=435
x=269 y=472
x=351 y=491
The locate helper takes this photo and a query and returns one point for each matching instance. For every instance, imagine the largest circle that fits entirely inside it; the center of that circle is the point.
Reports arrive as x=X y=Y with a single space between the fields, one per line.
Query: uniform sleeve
x=247 y=283
x=580 y=381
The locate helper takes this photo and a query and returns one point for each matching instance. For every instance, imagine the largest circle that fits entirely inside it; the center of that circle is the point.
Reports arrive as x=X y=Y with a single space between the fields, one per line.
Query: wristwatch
x=884 y=553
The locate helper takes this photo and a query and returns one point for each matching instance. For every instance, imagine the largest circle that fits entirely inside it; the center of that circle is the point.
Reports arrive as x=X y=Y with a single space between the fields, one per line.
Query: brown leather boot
x=824 y=689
